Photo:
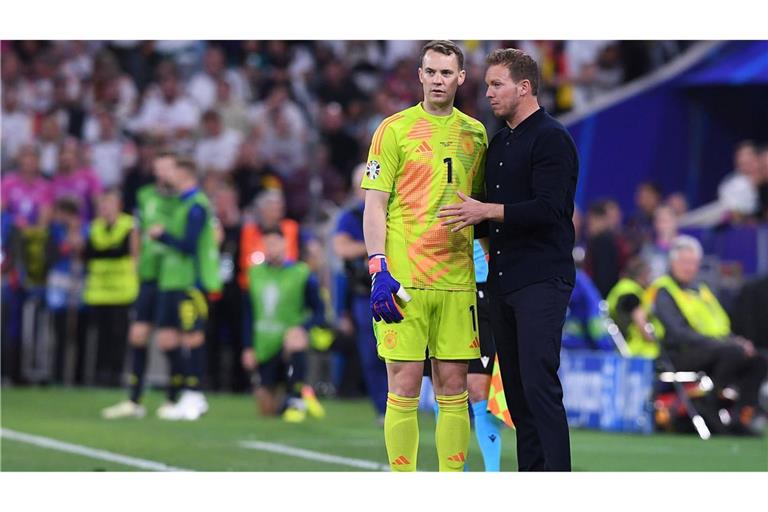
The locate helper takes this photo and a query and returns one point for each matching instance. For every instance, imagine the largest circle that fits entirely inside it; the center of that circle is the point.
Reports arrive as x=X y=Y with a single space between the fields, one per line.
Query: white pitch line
x=53 y=444
x=310 y=455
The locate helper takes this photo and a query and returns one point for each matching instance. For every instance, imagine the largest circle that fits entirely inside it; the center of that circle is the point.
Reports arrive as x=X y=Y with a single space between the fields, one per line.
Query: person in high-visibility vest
x=626 y=308
x=697 y=332
x=111 y=284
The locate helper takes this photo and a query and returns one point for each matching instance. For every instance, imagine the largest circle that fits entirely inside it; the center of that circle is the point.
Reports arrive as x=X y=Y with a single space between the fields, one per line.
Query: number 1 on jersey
x=449 y=163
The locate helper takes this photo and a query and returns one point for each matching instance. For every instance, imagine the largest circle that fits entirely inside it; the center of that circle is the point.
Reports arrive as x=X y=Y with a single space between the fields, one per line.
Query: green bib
x=111 y=281
x=180 y=271
x=701 y=308
x=154 y=208
x=277 y=304
x=638 y=346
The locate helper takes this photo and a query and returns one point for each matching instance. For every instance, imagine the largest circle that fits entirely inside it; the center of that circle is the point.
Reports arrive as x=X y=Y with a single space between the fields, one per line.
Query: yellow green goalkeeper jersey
x=422 y=160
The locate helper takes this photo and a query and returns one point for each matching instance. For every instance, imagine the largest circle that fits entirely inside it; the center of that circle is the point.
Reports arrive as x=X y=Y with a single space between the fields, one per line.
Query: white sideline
x=53 y=444
x=310 y=455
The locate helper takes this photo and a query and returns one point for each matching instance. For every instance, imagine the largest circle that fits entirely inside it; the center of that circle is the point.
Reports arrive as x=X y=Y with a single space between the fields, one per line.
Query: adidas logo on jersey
x=424 y=147
x=475 y=344
x=459 y=457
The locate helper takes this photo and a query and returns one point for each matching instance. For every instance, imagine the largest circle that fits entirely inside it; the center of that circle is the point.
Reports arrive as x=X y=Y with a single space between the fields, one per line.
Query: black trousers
x=727 y=365
x=527 y=327
x=223 y=343
x=111 y=325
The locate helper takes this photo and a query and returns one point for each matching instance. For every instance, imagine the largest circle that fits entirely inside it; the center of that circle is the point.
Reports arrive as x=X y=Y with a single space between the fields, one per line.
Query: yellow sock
x=452 y=432
x=401 y=432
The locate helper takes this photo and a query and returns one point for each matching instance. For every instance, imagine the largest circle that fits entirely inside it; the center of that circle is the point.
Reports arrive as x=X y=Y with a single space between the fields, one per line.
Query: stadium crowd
x=276 y=130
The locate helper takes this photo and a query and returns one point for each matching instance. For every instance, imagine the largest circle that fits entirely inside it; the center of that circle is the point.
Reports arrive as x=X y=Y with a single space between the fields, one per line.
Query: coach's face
x=503 y=93
x=440 y=77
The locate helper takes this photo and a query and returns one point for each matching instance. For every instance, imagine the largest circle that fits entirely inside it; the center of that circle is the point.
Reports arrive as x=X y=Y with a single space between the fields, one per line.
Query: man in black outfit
x=530 y=180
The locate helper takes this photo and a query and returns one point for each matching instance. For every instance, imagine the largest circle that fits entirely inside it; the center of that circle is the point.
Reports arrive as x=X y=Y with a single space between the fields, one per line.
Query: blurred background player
x=280 y=295
x=155 y=203
x=487 y=426
x=189 y=269
x=419 y=159
x=349 y=245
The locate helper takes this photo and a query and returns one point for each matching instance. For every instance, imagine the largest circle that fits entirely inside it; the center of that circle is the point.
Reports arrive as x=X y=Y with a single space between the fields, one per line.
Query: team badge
x=373 y=169
x=390 y=339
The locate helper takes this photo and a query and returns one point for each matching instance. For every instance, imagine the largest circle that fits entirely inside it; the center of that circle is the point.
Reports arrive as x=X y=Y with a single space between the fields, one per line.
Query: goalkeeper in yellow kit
x=420 y=159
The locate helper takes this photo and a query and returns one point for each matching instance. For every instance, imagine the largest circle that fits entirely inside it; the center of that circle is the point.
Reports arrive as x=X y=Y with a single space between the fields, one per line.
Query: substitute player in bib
x=419 y=159
x=189 y=269
x=155 y=203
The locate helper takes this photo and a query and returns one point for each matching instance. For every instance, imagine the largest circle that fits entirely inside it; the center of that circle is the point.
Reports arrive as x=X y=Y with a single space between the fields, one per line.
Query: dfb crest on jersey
x=373 y=169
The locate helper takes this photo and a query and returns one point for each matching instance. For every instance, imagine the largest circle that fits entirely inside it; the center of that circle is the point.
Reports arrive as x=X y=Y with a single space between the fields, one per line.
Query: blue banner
x=607 y=392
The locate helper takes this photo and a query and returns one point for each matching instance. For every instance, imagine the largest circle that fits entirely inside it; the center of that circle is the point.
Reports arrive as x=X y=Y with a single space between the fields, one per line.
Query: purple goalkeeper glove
x=383 y=289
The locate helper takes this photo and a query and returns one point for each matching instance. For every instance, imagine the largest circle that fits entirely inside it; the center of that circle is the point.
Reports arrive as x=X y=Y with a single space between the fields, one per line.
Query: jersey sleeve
x=383 y=160
x=478 y=183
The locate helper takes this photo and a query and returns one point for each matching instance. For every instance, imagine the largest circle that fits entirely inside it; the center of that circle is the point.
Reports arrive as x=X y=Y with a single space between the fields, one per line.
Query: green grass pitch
x=215 y=443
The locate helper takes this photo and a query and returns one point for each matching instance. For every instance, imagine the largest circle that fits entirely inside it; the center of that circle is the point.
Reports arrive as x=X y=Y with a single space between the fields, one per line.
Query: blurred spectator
x=112 y=152
x=615 y=215
x=217 y=149
x=584 y=327
x=111 y=285
x=27 y=197
x=64 y=289
x=283 y=147
x=581 y=58
x=270 y=214
x=51 y=138
x=400 y=82
x=334 y=185
x=167 y=113
x=678 y=203
x=252 y=174
x=737 y=195
x=626 y=308
x=697 y=333
x=75 y=181
x=345 y=150
x=278 y=104
x=640 y=224
x=233 y=111
x=336 y=86
x=139 y=174
x=112 y=89
x=41 y=81
x=202 y=87
x=606 y=254
x=66 y=109
x=15 y=127
x=225 y=319
x=656 y=252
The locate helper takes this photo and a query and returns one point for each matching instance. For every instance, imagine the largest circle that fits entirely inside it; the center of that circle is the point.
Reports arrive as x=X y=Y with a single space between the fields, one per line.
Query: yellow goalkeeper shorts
x=443 y=321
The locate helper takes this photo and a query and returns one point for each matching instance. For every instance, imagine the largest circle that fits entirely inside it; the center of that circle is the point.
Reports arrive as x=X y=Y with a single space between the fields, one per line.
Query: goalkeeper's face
x=440 y=77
